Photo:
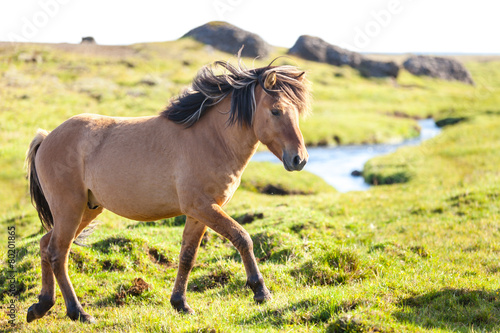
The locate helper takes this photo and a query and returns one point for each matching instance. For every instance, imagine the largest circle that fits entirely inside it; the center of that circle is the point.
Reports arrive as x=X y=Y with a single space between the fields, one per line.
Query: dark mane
x=209 y=88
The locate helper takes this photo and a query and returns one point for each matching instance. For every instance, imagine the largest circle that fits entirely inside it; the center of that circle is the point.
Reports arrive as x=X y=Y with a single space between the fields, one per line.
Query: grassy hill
x=420 y=255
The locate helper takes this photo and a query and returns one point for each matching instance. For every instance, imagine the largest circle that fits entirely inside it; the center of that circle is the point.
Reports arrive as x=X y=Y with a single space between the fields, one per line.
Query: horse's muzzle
x=293 y=162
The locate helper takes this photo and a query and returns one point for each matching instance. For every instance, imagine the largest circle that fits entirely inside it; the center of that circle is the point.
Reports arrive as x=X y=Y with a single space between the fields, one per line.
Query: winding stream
x=335 y=164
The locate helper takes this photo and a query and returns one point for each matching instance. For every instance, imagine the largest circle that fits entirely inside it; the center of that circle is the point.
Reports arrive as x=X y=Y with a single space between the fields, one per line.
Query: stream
x=335 y=164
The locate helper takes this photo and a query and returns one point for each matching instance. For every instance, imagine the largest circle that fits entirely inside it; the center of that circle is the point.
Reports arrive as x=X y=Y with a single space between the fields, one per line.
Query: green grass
x=419 y=255
x=269 y=178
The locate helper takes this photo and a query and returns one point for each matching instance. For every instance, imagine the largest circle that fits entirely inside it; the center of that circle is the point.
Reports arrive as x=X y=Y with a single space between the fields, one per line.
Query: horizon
x=369 y=27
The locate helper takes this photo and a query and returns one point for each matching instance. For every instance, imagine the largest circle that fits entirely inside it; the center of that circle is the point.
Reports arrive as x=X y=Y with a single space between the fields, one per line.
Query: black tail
x=37 y=197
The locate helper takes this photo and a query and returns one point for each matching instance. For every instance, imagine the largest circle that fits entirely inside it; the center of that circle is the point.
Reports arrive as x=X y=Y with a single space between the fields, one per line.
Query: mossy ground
x=420 y=255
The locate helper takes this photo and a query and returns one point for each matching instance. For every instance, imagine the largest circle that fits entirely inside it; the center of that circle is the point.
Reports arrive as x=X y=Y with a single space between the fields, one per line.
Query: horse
x=186 y=160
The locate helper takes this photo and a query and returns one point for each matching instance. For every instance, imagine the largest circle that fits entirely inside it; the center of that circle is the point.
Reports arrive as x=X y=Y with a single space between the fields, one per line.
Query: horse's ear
x=270 y=80
x=301 y=76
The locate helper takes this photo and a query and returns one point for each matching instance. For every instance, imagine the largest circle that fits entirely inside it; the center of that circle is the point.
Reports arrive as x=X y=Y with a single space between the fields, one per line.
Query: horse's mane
x=209 y=88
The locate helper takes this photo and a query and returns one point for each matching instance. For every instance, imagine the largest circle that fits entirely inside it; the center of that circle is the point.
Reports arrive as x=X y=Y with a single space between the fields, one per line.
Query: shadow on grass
x=314 y=310
x=388 y=175
x=170 y=222
x=456 y=309
x=218 y=277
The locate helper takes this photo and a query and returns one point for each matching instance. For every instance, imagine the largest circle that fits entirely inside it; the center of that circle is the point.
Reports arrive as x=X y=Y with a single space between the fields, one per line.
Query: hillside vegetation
x=419 y=255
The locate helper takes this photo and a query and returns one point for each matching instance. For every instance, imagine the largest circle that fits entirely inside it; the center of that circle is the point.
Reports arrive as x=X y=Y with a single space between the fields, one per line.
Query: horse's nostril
x=296 y=163
x=296 y=160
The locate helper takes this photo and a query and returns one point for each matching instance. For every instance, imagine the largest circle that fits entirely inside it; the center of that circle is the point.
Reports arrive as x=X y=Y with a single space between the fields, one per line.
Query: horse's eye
x=276 y=112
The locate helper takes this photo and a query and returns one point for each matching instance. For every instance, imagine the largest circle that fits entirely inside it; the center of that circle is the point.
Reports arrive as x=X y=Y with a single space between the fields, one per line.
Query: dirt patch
x=158 y=258
x=420 y=251
x=113 y=265
x=278 y=190
x=272 y=189
x=249 y=218
x=218 y=278
x=138 y=287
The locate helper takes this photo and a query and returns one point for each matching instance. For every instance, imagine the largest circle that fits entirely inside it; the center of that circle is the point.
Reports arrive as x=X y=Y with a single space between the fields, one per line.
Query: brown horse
x=186 y=161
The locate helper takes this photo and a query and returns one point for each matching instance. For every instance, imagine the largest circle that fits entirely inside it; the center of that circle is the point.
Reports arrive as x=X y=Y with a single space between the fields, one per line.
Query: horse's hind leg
x=65 y=227
x=48 y=293
x=47 y=297
x=191 y=238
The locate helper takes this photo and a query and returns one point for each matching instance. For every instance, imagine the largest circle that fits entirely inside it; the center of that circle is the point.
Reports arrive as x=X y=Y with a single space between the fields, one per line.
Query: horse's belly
x=142 y=202
x=146 y=215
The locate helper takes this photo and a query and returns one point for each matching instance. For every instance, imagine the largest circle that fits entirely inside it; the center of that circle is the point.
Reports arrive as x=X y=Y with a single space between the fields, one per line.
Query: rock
x=438 y=67
x=372 y=68
x=316 y=49
x=228 y=38
x=310 y=48
x=356 y=173
x=88 y=40
x=338 y=56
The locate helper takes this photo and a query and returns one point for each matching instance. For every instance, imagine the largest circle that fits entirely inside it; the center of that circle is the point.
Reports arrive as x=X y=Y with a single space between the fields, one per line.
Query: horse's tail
x=37 y=197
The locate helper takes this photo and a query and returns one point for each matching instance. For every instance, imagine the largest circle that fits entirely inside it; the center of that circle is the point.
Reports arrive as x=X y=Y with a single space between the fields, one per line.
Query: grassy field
x=419 y=255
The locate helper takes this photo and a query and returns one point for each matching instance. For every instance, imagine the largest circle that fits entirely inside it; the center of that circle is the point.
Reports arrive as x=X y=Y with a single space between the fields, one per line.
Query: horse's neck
x=238 y=143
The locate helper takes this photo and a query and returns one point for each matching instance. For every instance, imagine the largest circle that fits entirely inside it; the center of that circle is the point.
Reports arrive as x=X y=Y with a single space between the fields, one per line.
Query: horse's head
x=280 y=99
x=268 y=99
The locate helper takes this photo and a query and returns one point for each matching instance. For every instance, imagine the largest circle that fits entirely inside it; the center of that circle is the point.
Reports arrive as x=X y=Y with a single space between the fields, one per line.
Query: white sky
x=387 y=26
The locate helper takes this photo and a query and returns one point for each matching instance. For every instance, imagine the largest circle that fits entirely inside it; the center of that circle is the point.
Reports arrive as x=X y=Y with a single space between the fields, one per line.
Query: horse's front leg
x=191 y=239
x=215 y=218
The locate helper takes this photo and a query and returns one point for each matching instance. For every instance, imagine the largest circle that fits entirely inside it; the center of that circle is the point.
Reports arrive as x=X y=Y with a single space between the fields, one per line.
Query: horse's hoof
x=30 y=316
x=260 y=292
x=187 y=310
x=40 y=309
x=86 y=318
x=181 y=306
x=81 y=316
x=264 y=297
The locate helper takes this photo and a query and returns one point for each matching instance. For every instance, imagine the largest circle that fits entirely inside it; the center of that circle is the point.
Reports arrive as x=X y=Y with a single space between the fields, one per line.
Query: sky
x=371 y=26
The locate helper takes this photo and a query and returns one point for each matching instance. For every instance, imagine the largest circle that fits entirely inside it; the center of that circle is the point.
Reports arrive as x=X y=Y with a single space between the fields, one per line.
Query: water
x=335 y=164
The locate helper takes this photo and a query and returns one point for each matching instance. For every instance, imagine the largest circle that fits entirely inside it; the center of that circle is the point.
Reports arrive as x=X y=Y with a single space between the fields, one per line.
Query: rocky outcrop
x=438 y=67
x=310 y=48
x=338 y=56
x=228 y=38
x=88 y=40
x=316 y=49
x=373 y=68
